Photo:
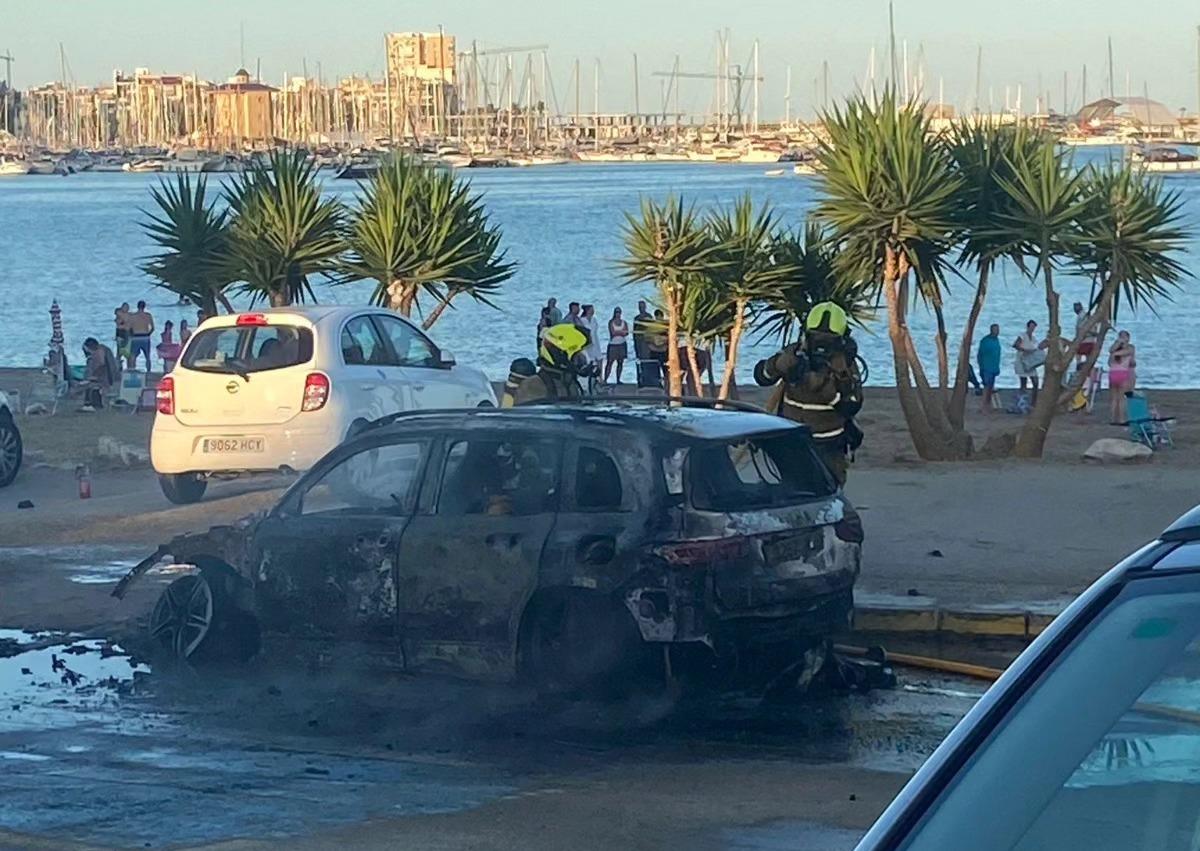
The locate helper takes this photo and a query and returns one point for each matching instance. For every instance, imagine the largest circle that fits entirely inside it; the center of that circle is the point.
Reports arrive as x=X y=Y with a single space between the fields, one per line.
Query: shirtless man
x=141 y=326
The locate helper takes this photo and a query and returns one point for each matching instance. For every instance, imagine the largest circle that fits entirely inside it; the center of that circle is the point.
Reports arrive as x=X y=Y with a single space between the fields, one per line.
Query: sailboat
x=11 y=167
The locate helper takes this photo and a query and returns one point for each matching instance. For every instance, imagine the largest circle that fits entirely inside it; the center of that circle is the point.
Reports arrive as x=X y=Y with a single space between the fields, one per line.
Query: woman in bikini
x=1122 y=375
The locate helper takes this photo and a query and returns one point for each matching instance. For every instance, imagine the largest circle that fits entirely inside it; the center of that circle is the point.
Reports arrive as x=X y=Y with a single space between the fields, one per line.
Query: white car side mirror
x=447 y=359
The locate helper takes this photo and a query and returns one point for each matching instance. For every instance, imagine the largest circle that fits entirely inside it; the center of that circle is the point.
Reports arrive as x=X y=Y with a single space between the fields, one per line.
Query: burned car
x=559 y=543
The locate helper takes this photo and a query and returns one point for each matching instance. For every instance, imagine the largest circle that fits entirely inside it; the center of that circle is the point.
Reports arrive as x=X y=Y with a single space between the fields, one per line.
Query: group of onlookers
x=648 y=332
x=134 y=330
x=1030 y=356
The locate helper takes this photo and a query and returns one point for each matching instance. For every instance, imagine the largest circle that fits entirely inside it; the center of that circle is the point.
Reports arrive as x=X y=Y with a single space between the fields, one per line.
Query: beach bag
x=1021 y=405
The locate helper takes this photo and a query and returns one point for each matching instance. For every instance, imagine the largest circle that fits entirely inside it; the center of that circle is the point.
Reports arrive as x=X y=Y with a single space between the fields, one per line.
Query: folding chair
x=1145 y=424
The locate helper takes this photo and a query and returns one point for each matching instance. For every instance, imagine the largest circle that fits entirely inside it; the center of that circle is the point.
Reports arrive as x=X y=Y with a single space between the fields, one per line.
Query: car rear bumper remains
x=748 y=601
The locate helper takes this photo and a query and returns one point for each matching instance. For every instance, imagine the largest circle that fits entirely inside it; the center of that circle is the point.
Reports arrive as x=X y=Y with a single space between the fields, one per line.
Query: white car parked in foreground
x=275 y=390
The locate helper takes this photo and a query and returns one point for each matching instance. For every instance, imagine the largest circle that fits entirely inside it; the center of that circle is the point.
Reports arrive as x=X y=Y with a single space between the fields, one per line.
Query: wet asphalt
x=100 y=747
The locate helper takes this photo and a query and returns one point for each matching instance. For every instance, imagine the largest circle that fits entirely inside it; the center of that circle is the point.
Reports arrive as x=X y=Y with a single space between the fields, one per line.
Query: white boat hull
x=13 y=169
x=1187 y=167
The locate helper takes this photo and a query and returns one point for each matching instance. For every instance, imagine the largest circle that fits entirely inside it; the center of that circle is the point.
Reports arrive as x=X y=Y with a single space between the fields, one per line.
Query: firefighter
x=821 y=385
x=561 y=362
x=518 y=372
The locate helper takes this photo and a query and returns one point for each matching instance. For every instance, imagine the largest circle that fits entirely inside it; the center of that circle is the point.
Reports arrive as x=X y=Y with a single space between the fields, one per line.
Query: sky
x=1025 y=43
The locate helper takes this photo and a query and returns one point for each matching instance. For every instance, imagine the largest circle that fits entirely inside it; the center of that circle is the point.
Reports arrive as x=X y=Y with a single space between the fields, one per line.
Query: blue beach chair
x=1145 y=425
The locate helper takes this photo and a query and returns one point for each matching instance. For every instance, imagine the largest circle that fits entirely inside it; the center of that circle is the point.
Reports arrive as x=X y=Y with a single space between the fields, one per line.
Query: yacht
x=143 y=165
x=1165 y=160
x=11 y=167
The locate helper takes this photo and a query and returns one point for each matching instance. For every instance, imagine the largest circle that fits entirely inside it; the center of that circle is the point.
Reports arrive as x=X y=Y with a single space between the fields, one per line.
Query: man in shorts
x=141 y=327
x=988 y=357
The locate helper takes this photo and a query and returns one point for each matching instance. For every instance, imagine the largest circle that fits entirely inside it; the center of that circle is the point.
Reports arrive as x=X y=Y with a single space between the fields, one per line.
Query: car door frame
x=423 y=382
x=376 y=393
x=282 y=523
x=580 y=533
x=489 y=660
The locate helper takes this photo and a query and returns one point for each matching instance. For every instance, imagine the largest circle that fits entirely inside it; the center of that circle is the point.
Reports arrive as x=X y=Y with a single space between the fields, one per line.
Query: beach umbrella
x=57 y=341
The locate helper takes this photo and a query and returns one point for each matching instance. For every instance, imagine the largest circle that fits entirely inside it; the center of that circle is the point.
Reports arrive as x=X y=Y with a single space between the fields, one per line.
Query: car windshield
x=243 y=349
x=758 y=472
x=1106 y=746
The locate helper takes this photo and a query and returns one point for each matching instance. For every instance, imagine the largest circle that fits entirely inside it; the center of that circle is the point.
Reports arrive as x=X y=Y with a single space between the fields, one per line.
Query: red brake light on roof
x=316 y=392
x=252 y=319
x=164 y=396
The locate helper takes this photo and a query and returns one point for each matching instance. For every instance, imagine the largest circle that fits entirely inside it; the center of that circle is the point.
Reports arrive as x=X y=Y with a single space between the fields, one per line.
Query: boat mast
x=978 y=77
x=892 y=42
x=596 y=104
x=825 y=85
x=1112 y=80
x=787 y=99
x=755 y=119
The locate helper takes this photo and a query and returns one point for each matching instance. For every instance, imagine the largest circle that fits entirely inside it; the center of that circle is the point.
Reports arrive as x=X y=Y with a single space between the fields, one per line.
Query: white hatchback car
x=275 y=390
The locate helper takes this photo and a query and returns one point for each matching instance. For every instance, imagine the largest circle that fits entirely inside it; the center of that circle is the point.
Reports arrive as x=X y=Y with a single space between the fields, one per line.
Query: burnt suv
x=562 y=543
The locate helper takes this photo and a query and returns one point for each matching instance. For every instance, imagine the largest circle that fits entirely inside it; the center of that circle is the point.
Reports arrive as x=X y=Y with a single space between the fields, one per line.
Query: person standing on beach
x=544 y=322
x=141 y=326
x=1031 y=354
x=1086 y=336
x=988 y=358
x=618 y=347
x=591 y=326
x=1122 y=376
x=641 y=332
x=121 y=320
x=185 y=333
x=555 y=313
x=573 y=317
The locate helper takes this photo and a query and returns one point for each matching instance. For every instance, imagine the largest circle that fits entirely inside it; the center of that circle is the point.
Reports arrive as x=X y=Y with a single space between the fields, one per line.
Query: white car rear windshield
x=243 y=349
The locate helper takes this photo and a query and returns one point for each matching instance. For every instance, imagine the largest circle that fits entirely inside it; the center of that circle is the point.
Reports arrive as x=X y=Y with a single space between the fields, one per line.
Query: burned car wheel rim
x=183 y=615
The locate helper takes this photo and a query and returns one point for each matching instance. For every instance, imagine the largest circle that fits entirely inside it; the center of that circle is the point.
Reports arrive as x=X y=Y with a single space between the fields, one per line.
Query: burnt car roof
x=701 y=423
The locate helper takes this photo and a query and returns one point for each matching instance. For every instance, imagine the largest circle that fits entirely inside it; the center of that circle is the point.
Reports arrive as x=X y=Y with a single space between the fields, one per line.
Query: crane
x=8 y=60
x=735 y=76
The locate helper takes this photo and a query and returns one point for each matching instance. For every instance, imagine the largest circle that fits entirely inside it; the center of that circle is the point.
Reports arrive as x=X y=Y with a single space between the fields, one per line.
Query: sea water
x=79 y=239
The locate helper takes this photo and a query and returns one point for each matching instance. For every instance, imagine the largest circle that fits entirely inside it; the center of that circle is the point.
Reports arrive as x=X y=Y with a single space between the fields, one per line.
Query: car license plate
x=229 y=445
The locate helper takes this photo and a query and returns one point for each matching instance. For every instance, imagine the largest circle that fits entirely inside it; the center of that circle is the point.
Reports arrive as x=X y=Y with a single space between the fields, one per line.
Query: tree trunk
x=437 y=312
x=694 y=368
x=224 y=303
x=735 y=338
x=1031 y=442
x=279 y=298
x=923 y=438
x=400 y=296
x=943 y=355
x=957 y=409
x=674 y=373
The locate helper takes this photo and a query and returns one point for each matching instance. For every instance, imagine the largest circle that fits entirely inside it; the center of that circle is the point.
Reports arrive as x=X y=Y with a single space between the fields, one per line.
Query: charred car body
x=561 y=543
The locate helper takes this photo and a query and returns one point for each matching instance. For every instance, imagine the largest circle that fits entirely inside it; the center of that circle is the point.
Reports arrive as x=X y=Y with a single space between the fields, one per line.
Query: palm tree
x=982 y=155
x=889 y=198
x=1048 y=214
x=192 y=235
x=817 y=275
x=668 y=246
x=1130 y=235
x=417 y=230
x=745 y=267
x=282 y=231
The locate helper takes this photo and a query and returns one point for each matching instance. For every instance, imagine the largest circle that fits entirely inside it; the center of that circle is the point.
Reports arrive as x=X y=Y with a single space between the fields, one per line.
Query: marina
x=78 y=240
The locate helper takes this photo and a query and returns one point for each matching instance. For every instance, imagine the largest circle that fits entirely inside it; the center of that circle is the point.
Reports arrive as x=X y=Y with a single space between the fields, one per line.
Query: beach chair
x=1145 y=424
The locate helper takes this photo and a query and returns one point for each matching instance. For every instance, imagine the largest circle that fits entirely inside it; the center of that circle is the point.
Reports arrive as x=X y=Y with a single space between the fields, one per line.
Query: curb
x=929 y=618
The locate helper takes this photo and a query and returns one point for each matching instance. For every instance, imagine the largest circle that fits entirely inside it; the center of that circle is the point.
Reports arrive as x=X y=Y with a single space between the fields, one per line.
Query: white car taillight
x=164 y=396
x=316 y=392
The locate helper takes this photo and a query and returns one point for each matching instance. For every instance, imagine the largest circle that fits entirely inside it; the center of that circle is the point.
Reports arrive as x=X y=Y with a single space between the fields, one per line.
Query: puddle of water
x=88 y=565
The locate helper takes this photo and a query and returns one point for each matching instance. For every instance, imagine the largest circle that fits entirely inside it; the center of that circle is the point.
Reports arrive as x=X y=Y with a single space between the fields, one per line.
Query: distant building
x=241 y=111
x=1138 y=113
x=421 y=81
